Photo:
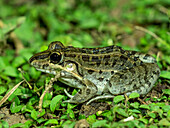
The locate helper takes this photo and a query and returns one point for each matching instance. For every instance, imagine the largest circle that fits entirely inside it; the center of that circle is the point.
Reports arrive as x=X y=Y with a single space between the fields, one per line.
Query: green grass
x=27 y=27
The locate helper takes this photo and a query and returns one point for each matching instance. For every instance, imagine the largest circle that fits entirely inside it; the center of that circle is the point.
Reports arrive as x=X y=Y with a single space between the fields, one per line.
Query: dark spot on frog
x=141 y=62
x=106 y=62
x=95 y=59
x=132 y=70
x=110 y=85
x=114 y=63
x=133 y=52
x=109 y=49
x=90 y=71
x=124 y=89
x=129 y=54
x=134 y=86
x=45 y=65
x=88 y=91
x=80 y=91
x=134 y=64
x=98 y=63
x=100 y=79
x=136 y=58
x=146 y=57
x=85 y=58
x=106 y=57
x=123 y=58
x=122 y=51
x=95 y=50
x=145 y=77
x=156 y=72
x=107 y=80
x=112 y=72
x=100 y=72
x=149 y=84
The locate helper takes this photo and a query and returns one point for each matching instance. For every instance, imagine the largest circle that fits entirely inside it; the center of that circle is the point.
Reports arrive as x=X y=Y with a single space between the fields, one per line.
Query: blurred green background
x=28 y=27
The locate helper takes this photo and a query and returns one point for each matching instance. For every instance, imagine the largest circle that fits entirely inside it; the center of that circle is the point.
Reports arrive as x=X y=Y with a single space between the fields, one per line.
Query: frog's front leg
x=84 y=94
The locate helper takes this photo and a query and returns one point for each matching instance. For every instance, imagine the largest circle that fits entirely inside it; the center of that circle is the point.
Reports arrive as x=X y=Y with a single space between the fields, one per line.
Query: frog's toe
x=70 y=96
x=70 y=101
x=67 y=101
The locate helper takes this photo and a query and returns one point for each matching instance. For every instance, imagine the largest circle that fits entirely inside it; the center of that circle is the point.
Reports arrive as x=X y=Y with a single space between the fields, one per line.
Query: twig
x=19 y=69
x=10 y=92
x=153 y=34
x=48 y=86
x=142 y=101
x=163 y=10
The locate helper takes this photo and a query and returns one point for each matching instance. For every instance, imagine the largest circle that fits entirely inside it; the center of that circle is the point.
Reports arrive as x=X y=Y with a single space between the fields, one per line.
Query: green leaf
x=18 y=61
x=118 y=99
x=11 y=71
x=41 y=120
x=166 y=108
x=165 y=74
x=168 y=114
x=34 y=73
x=2 y=89
x=134 y=95
x=2 y=63
x=144 y=120
x=29 y=123
x=164 y=122
x=4 y=124
x=64 y=117
x=99 y=123
x=71 y=113
x=34 y=114
x=47 y=96
x=18 y=125
x=51 y=121
x=135 y=105
x=144 y=106
x=122 y=112
x=91 y=119
x=92 y=23
x=154 y=107
x=15 y=109
x=134 y=111
x=46 y=103
x=153 y=115
x=25 y=32
x=166 y=91
x=55 y=101
x=42 y=113
x=68 y=124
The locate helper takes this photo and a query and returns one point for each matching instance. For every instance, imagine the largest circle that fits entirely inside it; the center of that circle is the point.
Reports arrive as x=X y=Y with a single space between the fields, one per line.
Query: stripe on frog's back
x=101 y=50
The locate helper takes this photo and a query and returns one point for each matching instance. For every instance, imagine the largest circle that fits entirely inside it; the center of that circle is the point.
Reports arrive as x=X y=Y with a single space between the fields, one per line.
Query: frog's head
x=49 y=61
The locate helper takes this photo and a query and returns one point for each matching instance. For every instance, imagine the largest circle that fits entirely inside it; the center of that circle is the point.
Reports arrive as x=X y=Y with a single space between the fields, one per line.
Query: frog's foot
x=70 y=96
x=100 y=97
x=81 y=96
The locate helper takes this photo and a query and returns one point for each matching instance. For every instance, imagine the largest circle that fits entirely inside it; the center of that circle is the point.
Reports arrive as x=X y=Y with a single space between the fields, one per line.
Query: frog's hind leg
x=140 y=79
x=83 y=94
x=100 y=97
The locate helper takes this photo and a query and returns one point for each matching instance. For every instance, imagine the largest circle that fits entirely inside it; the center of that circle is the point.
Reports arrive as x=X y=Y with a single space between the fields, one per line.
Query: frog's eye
x=55 y=58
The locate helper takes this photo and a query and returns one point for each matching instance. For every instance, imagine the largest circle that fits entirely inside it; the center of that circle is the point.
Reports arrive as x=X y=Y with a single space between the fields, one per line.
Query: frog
x=98 y=73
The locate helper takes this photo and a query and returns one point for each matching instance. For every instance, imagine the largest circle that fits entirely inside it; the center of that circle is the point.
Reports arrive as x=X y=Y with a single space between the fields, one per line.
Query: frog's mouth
x=47 y=71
